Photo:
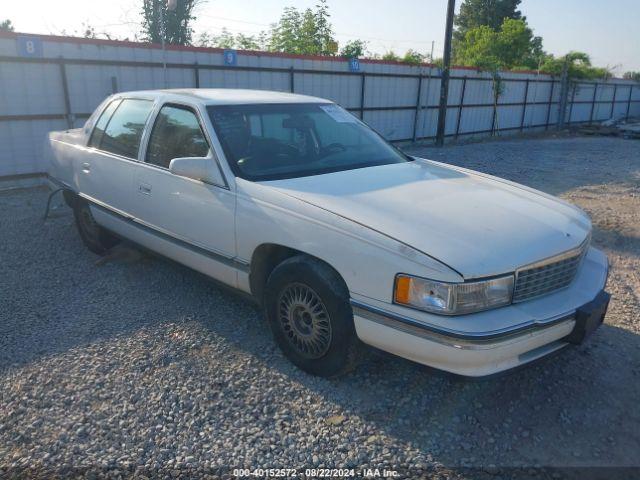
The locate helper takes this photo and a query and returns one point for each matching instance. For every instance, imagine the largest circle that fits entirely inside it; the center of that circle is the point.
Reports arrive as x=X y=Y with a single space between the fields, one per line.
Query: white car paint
x=448 y=214
x=420 y=218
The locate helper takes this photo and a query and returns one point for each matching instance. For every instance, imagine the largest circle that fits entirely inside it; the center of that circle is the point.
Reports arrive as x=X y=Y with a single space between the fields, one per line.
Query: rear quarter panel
x=66 y=149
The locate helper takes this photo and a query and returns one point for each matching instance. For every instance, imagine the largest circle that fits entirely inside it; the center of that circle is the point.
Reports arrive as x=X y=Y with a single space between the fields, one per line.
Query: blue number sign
x=230 y=57
x=354 y=65
x=29 y=46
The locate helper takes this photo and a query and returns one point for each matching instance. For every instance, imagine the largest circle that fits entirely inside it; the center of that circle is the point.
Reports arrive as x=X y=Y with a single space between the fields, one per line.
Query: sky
x=607 y=30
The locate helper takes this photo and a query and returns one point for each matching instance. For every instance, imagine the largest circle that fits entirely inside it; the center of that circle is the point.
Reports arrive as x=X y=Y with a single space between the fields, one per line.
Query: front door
x=195 y=220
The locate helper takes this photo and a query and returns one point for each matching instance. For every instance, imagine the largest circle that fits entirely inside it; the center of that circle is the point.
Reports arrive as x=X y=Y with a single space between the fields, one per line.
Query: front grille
x=548 y=275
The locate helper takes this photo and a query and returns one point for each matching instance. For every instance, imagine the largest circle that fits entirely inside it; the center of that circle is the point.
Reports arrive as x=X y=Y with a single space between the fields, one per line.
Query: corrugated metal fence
x=52 y=83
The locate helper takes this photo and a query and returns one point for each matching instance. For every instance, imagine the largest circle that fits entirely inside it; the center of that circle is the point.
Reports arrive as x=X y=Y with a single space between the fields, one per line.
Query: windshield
x=276 y=141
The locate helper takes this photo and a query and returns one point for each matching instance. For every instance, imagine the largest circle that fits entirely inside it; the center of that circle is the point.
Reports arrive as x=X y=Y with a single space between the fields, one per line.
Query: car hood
x=476 y=224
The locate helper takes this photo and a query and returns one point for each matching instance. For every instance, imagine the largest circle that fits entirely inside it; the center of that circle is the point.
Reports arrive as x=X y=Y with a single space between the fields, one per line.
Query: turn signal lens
x=402 y=289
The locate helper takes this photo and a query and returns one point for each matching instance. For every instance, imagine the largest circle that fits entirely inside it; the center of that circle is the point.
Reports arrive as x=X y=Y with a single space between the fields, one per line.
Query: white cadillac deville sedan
x=339 y=236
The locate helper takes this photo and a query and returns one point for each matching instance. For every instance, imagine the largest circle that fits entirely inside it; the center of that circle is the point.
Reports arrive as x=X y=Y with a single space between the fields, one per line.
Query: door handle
x=144 y=188
x=86 y=168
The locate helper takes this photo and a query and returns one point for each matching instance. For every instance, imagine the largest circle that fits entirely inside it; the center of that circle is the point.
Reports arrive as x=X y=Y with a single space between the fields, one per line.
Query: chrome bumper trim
x=455 y=338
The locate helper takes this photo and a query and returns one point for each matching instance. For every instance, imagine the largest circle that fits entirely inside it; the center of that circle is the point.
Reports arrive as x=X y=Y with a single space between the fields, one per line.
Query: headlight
x=453 y=298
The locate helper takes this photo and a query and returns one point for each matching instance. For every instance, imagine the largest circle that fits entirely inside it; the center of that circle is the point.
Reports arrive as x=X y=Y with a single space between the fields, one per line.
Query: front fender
x=367 y=260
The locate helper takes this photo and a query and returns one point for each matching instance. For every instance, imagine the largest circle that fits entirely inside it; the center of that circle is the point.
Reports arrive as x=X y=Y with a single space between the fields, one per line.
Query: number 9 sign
x=29 y=46
x=230 y=57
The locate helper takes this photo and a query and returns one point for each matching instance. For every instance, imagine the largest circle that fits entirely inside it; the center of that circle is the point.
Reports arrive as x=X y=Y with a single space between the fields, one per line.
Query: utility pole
x=171 y=6
x=426 y=94
x=444 y=81
x=564 y=93
x=164 y=52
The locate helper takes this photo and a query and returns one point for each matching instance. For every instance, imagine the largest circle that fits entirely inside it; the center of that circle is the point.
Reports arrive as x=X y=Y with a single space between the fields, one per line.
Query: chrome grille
x=548 y=275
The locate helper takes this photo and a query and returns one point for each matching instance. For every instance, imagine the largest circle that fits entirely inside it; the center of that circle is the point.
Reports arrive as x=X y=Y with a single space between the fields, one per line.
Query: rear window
x=98 y=131
x=123 y=131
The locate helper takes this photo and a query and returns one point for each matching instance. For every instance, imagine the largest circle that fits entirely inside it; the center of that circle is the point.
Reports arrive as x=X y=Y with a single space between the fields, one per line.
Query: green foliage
x=247 y=42
x=513 y=45
x=413 y=57
x=285 y=35
x=490 y=13
x=519 y=46
x=390 y=56
x=635 y=76
x=6 y=26
x=324 y=30
x=177 y=23
x=354 y=49
x=578 y=66
x=226 y=39
x=479 y=48
x=306 y=33
x=438 y=62
x=493 y=35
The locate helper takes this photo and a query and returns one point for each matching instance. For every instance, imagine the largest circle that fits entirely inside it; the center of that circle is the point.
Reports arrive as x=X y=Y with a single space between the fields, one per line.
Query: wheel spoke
x=305 y=320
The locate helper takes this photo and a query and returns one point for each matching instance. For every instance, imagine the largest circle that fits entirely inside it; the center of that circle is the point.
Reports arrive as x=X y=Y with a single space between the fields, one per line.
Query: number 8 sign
x=29 y=46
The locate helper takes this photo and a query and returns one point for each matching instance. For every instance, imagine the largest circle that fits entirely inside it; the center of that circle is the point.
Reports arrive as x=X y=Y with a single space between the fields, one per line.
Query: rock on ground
x=147 y=368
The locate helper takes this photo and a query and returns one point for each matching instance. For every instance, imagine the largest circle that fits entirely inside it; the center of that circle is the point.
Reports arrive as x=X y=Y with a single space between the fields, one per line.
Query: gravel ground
x=143 y=367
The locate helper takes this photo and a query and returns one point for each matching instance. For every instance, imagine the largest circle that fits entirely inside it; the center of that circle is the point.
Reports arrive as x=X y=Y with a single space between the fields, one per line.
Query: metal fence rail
x=399 y=102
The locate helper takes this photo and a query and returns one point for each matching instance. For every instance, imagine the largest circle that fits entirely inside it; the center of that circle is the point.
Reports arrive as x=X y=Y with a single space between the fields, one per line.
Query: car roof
x=224 y=96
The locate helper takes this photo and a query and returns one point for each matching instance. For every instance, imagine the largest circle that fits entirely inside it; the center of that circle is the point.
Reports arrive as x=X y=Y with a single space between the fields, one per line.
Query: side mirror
x=197 y=168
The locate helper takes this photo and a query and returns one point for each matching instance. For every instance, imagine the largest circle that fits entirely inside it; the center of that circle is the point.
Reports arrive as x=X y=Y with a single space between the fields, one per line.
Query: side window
x=123 y=132
x=98 y=130
x=176 y=134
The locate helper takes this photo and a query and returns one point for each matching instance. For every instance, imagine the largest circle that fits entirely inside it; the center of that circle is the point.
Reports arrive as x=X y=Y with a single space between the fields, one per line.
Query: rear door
x=193 y=215
x=106 y=171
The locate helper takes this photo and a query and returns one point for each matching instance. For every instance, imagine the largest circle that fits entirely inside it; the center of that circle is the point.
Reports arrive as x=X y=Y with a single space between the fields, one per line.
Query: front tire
x=95 y=238
x=307 y=306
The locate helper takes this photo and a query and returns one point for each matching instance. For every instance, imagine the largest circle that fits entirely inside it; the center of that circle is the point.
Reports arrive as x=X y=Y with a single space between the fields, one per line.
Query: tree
x=491 y=13
x=226 y=39
x=6 y=26
x=578 y=66
x=413 y=57
x=177 y=22
x=88 y=30
x=512 y=46
x=246 y=42
x=285 y=33
x=479 y=48
x=324 y=30
x=354 y=49
x=305 y=33
x=518 y=46
x=635 y=76
x=391 y=56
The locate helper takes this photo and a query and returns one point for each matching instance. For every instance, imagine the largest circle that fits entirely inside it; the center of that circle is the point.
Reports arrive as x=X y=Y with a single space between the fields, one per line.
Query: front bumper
x=479 y=352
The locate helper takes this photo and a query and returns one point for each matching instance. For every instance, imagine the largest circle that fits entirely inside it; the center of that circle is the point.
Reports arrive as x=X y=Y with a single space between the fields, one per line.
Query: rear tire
x=307 y=306
x=95 y=237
